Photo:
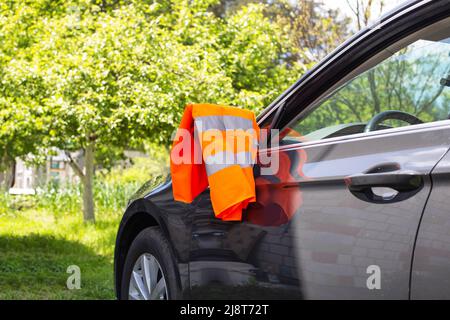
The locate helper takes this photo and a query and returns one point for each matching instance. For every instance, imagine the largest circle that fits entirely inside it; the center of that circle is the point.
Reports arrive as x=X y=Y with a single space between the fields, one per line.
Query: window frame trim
x=423 y=127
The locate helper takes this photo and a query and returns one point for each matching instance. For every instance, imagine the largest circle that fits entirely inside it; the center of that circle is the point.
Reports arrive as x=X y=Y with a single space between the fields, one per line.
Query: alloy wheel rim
x=147 y=281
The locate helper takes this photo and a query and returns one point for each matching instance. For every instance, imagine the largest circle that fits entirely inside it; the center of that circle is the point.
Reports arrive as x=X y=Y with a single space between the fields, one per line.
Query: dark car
x=360 y=208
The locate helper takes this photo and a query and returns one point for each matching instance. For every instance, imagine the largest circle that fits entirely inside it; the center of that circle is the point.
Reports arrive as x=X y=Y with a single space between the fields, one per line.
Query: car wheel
x=149 y=270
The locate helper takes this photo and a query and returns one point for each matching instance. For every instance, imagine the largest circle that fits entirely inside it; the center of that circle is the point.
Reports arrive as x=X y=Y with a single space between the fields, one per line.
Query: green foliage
x=77 y=72
x=142 y=171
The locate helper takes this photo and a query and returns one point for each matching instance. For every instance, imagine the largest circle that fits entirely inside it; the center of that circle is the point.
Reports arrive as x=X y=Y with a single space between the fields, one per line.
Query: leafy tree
x=102 y=77
x=313 y=29
x=364 y=10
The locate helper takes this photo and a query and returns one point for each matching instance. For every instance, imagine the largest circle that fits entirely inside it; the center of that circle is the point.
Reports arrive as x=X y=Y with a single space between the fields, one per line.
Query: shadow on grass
x=34 y=267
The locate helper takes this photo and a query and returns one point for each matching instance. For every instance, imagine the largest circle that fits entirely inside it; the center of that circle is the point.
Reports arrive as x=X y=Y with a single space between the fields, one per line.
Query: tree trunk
x=2 y=181
x=373 y=91
x=88 y=194
x=7 y=173
x=12 y=179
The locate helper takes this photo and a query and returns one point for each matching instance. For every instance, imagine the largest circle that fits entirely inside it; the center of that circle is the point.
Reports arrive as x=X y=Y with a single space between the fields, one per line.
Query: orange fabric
x=188 y=179
x=231 y=190
x=232 y=185
x=207 y=109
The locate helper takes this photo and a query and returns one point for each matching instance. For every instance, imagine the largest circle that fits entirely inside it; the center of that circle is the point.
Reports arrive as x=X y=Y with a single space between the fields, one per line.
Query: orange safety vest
x=216 y=146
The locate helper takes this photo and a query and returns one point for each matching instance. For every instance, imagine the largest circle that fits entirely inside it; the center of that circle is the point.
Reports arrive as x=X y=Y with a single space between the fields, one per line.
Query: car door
x=338 y=216
x=431 y=265
x=365 y=178
x=346 y=232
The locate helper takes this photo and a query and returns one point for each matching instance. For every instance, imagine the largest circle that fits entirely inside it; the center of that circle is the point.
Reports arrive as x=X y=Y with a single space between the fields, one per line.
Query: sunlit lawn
x=37 y=246
x=42 y=235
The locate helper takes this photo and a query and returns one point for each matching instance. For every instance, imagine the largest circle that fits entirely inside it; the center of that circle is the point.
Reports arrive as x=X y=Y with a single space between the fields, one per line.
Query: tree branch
x=429 y=103
x=373 y=90
x=75 y=167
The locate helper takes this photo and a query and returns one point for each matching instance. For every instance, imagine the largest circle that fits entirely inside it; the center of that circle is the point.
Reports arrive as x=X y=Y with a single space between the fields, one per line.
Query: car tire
x=149 y=246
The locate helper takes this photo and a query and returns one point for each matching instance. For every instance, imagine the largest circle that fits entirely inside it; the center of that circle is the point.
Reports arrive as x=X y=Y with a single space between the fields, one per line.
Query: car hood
x=153 y=186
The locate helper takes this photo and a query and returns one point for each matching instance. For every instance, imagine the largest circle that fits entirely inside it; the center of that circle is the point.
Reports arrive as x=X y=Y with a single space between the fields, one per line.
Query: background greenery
x=41 y=236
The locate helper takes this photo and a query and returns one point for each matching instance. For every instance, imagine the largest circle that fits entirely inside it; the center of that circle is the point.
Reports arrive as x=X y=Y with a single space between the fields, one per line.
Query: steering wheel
x=391 y=114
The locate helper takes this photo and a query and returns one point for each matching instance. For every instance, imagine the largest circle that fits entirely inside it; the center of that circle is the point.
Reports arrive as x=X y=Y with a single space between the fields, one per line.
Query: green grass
x=40 y=236
x=37 y=245
x=34 y=257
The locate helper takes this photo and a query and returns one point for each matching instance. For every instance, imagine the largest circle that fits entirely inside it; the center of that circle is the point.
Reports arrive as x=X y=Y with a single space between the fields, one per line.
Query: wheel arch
x=133 y=222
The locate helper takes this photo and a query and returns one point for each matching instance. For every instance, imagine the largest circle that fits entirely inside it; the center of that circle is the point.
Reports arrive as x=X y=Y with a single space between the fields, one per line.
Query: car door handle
x=405 y=183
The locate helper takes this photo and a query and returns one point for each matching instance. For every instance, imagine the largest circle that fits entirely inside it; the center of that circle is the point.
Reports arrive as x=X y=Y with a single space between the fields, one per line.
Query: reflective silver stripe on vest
x=222 y=123
x=222 y=160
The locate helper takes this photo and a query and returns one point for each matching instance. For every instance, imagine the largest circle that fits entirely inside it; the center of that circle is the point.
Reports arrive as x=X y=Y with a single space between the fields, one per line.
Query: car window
x=412 y=86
